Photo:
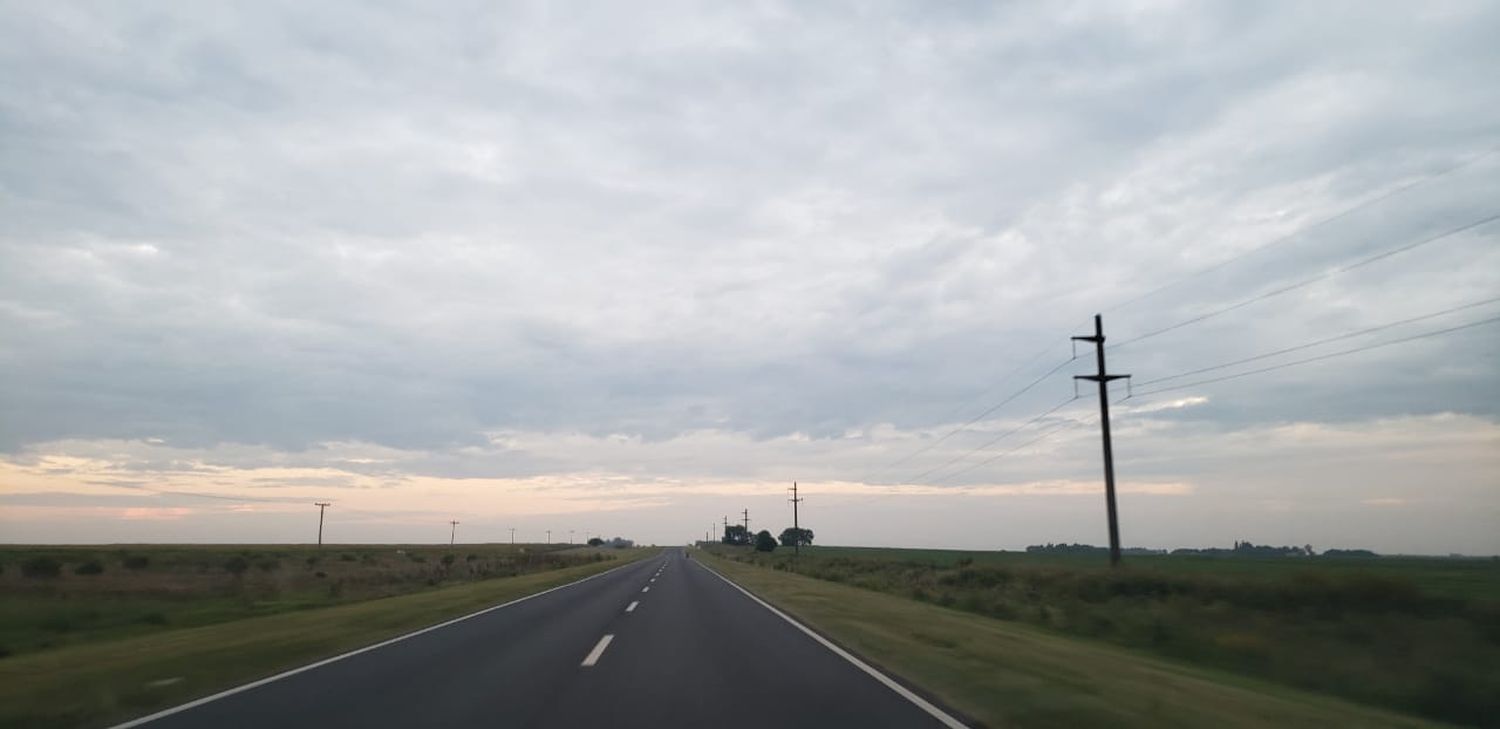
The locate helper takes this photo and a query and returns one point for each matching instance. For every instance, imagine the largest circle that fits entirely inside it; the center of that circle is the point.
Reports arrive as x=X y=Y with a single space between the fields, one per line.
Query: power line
x=988 y=411
x=1059 y=427
x=1325 y=340
x=1322 y=357
x=1314 y=279
x=1346 y=212
x=992 y=441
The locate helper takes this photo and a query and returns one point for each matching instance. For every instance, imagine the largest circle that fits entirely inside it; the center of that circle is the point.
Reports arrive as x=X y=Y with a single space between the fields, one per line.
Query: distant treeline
x=1240 y=549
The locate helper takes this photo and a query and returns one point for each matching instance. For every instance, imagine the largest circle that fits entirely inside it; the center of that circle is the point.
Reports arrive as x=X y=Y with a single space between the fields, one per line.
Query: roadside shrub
x=268 y=564
x=312 y=561
x=136 y=562
x=320 y=574
x=236 y=565
x=41 y=566
x=91 y=567
x=471 y=558
x=346 y=557
x=448 y=560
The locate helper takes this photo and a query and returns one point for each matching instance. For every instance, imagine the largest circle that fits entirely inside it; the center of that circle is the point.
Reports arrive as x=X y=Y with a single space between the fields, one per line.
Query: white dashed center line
x=631 y=608
x=593 y=656
x=647 y=588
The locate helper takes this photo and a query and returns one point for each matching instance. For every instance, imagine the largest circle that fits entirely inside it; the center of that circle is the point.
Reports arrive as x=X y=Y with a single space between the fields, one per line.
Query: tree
x=789 y=537
x=595 y=541
x=736 y=534
x=764 y=542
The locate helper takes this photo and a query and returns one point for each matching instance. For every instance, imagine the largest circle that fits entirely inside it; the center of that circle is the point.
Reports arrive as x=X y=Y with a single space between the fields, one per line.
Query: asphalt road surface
x=663 y=642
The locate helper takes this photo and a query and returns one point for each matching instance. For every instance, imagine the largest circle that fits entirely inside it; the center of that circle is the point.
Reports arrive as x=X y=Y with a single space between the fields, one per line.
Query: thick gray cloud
x=260 y=230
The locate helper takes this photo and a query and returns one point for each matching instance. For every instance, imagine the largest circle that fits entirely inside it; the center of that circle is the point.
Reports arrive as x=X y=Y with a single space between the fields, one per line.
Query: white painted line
x=942 y=716
x=653 y=579
x=253 y=684
x=647 y=588
x=593 y=656
x=631 y=608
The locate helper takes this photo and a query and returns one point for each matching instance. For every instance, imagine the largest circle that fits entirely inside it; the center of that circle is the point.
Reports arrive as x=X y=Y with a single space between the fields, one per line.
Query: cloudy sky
x=628 y=269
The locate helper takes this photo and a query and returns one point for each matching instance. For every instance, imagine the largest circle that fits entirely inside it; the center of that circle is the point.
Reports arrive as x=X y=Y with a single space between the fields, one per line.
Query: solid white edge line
x=942 y=716
x=284 y=674
x=631 y=607
x=593 y=656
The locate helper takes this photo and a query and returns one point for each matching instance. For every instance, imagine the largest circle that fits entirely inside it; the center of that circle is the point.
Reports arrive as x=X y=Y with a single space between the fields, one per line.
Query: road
x=663 y=642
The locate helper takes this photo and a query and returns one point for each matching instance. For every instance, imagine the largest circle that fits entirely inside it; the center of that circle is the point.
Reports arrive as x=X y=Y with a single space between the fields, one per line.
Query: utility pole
x=570 y=536
x=322 y=506
x=1103 y=378
x=453 y=534
x=747 y=524
x=726 y=528
x=796 y=525
x=512 y=535
x=549 y=536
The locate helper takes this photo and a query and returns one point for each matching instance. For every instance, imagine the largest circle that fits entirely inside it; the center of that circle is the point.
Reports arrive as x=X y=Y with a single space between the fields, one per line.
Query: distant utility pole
x=796 y=525
x=1103 y=378
x=726 y=527
x=453 y=534
x=570 y=536
x=549 y=536
x=322 y=506
x=512 y=535
x=747 y=523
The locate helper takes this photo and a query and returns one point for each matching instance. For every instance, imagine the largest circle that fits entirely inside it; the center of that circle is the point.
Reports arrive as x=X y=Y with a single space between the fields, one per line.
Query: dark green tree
x=764 y=542
x=595 y=541
x=789 y=537
x=736 y=534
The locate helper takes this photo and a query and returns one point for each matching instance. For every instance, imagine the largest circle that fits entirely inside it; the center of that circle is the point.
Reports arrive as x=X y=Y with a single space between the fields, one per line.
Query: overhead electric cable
x=992 y=441
x=1322 y=357
x=1346 y=212
x=1325 y=340
x=1314 y=279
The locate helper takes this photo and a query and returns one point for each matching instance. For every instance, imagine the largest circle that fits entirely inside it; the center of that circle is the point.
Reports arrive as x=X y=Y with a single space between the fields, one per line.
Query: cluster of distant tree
x=616 y=543
x=738 y=536
x=1240 y=549
x=1086 y=549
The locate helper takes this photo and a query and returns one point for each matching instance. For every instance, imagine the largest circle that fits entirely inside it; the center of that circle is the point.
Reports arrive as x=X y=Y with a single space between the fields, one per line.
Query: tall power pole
x=512 y=535
x=796 y=525
x=747 y=523
x=726 y=528
x=453 y=534
x=549 y=536
x=1103 y=378
x=322 y=506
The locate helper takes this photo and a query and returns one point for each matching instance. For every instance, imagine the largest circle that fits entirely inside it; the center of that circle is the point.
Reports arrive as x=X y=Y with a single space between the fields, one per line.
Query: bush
x=268 y=564
x=41 y=567
x=91 y=567
x=448 y=560
x=346 y=557
x=136 y=562
x=236 y=566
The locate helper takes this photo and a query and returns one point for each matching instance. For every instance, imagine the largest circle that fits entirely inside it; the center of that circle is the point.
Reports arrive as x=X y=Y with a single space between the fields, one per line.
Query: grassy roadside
x=101 y=683
x=1002 y=674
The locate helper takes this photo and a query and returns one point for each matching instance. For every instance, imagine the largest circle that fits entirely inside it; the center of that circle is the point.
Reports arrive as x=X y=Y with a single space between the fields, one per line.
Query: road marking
x=653 y=579
x=255 y=684
x=593 y=656
x=631 y=607
x=943 y=717
x=647 y=588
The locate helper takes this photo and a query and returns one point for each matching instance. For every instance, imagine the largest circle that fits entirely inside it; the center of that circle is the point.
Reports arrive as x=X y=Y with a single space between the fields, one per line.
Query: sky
x=632 y=270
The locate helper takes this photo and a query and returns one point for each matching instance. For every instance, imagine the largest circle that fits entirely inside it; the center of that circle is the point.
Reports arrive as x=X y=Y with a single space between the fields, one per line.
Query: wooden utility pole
x=512 y=535
x=747 y=526
x=452 y=535
x=796 y=525
x=322 y=506
x=1103 y=378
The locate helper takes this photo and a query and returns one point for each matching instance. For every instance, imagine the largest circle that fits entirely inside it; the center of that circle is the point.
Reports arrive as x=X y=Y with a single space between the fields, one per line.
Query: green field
x=94 y=648
x=1005 y=674
x=1415 y=635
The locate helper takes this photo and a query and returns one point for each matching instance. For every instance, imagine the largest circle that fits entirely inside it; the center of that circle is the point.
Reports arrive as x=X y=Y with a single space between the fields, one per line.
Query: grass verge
x=1002 y=674
x=102 y=683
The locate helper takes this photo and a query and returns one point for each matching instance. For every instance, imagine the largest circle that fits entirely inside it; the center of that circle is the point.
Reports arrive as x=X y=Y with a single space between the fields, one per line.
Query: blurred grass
x=1004 y=674
x=104 y=593
x=111 y=679
x=1415 y=635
